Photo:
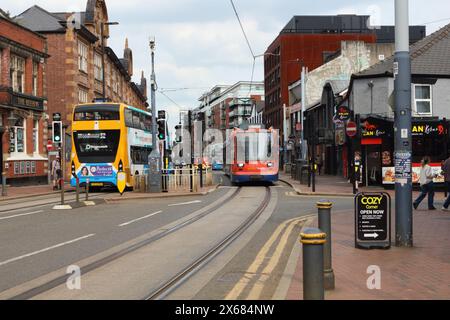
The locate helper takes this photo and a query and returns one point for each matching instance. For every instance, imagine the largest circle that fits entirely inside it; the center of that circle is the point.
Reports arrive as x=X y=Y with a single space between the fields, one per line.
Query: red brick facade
x=281 y=67
x=22 y=107
x=68 y=85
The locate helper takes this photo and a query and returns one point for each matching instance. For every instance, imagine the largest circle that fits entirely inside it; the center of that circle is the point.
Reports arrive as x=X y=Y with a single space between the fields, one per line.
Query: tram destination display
x=373 y=221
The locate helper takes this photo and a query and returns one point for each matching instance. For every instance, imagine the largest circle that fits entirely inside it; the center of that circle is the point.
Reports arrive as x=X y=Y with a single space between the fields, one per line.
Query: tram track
x=47 y=286
x=181 y=277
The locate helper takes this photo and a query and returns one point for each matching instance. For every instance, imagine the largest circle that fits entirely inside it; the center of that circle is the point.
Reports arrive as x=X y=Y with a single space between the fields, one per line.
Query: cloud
x=199 y=42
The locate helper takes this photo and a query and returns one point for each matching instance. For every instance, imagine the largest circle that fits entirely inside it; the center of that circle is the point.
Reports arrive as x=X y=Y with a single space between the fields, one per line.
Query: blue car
x=217 y=166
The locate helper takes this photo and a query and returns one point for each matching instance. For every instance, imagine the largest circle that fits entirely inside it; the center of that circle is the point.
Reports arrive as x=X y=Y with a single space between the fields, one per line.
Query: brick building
x=23 y=125
x=75 y=69
x=310 y=41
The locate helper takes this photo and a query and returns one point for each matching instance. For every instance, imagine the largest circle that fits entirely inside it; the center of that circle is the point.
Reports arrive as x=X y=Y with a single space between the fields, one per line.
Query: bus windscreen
x=98 y=146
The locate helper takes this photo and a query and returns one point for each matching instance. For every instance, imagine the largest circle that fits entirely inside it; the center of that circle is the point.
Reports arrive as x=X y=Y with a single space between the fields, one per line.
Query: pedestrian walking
x=56 y=173
x=319 y=163
x=446 y=171
x=426 y=184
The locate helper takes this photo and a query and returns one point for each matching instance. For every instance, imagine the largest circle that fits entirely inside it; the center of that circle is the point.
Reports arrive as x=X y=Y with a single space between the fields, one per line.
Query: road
x=127 y=250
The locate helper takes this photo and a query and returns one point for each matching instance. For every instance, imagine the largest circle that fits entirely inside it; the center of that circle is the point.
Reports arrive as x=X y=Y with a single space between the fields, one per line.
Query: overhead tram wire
x=248 y=44
x=242 y=28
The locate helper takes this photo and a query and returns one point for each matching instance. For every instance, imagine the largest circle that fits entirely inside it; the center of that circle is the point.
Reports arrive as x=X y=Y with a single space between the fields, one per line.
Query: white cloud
x=199 y=42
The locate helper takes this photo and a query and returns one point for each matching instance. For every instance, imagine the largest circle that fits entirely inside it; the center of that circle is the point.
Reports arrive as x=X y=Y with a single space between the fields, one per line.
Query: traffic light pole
x=63 y=161
x=191 y=168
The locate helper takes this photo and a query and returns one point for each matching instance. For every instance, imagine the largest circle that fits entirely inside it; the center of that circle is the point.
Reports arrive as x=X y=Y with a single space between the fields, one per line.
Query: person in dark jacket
x=446 y=170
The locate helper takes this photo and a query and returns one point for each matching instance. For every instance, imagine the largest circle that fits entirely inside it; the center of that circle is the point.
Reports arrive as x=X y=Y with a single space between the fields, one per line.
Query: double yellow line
x=283 y=231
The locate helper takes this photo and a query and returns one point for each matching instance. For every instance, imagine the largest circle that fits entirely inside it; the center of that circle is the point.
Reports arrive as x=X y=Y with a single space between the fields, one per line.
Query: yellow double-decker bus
x=108 y=138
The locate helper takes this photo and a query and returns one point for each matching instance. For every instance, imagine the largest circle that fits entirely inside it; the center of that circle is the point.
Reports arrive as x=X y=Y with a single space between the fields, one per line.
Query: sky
x=199 y=43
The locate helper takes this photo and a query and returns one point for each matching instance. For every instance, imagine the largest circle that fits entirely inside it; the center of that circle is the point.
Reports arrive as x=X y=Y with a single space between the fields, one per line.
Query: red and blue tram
x=252 y=155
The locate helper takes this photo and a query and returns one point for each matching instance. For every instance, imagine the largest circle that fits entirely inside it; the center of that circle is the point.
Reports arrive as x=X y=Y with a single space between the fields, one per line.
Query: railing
x=178 y=180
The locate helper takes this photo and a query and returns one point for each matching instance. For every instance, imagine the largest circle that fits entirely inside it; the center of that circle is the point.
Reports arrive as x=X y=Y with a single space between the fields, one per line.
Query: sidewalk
x=31 y=191
x=421 y=272
x=339 y=186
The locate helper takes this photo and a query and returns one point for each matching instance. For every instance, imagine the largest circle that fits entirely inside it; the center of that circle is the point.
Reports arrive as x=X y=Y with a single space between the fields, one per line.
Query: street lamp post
x=403 y=138
x=154 y=160
x=102 y=25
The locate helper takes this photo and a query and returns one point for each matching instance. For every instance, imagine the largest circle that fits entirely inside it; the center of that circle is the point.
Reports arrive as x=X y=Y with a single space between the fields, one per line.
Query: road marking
x=265 y=274
x=183 y=203
x=46 y=249
x=261 y=256
x=138 y=219
x=242 y=283
x=21 y=215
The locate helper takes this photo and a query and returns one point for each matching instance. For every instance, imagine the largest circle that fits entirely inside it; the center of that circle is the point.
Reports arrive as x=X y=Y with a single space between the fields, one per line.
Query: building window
x=17 y=137
x=17 y=73
x=107 y=74
x=82 y=96
x=36 y=136
x=422 y=99
x=35 y=78
x=115 y=82
x=98 y=69
x=82 y=57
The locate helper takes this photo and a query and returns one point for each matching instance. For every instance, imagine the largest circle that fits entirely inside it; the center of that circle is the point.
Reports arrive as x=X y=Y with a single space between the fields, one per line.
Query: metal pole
x=77 y=180
x=4 y=191
x=155 y=155
x=87 y=189
x=313 y=165
x=303 y=84
x=152 y=97
x=403 y=125
x=62 y=157
x=191 y=176
x=285 y=153
x=313 y=240
x=324 y=213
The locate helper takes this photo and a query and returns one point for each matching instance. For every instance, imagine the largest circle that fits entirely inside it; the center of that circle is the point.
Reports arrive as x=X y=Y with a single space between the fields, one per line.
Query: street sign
x=56 y=116
x=121 y=181
x=161 y=114
x=373 y=220
x=351 y=129
x=342 y=113
x=49 y=145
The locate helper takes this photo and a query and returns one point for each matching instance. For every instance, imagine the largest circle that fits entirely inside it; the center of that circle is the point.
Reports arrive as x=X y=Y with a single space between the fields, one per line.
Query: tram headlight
x=240 y=165
x=270 y=164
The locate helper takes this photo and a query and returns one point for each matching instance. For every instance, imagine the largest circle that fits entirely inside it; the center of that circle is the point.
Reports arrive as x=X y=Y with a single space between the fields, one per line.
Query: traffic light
x=57 y=131
x=178 y=133
x=161 y=129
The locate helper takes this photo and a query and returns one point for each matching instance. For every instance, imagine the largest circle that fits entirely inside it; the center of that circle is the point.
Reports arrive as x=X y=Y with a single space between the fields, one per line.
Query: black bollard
x=324 y=212
x=313 y=240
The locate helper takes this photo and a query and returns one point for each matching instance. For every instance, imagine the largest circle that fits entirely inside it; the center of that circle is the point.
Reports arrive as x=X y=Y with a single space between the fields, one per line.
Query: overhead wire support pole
x=154 y=160
x=403 y=125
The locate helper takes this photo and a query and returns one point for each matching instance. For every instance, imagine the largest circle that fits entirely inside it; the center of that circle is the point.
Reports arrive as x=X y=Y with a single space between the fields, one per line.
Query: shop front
x=376 y=147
